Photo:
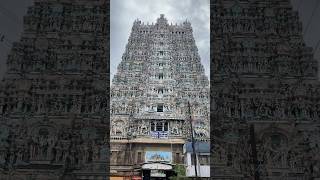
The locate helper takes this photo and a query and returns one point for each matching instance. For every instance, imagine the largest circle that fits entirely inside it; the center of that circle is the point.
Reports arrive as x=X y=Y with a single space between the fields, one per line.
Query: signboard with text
x=158 y=156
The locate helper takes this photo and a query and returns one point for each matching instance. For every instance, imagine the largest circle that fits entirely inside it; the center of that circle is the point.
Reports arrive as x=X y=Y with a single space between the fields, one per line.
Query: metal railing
x=159 y=134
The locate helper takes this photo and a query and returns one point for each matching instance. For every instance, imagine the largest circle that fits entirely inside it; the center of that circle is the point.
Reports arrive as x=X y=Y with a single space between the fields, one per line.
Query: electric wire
x=311 y=18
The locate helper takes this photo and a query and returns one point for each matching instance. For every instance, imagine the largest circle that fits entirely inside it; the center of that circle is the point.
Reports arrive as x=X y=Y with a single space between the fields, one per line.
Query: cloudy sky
x=11 y=15
x=124 y=12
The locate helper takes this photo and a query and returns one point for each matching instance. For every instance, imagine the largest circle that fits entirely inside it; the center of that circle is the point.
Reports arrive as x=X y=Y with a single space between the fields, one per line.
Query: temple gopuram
x=53 y=98
x=265 y=108
x=159 y=90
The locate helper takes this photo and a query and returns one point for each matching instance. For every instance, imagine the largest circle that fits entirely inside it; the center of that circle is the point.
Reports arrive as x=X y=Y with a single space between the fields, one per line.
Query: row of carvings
x=281 y=87
x=178 y=27
x=157 y=87
x=192 y=92
x=279 y=54
x=118 y=79
x=55 y=49
x=129 y=56
x=237 y=56
x=273 y=89
x=82 y=27
x=167 y=36
x=150 y=105
x=263 y=53
x=278 y=102
x=245 y=10
x=260 y=48
x=57 y=5
x=71 y=16
x=163 y=23
x=162 y=32
x=135 y=42
x=296 y=153
x=85 y=60
x=290 y=68
x=278 y=111
x=50 y=67
x=56 y=8
x=256 y=26
x=43 y=67
x=62 y=49
x=81 y=86
x=270 y=42
x=78 y=83
x=166 y=55
x=53 y=105
x=143 y=128
x=22 y=144
x=41 y=18
x=184 y=48
x=137 y=76
x=178 y=111
x=255 y=49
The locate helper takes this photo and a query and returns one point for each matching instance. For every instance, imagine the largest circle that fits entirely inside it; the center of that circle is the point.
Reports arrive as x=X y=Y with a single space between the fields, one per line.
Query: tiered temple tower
x=53 y=98
x=160 y=83
x=266 y=97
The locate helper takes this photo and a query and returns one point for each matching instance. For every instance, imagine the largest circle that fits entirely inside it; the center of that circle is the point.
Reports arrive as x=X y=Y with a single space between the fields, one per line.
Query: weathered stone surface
x=53 y=98
x=160 y=73
x=264 y=88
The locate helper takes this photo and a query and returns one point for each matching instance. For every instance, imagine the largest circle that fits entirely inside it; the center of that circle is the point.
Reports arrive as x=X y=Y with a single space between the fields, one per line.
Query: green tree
x=180 y=171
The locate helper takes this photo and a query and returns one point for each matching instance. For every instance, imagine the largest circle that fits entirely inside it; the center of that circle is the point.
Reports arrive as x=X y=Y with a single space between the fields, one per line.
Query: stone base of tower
x=44 y=148
x=51 y=171
x=145 y=157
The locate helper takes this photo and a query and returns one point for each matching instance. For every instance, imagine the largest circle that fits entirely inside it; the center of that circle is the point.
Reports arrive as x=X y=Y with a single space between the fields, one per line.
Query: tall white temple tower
x=265 y=91
x=160 y=74
x=53 y=98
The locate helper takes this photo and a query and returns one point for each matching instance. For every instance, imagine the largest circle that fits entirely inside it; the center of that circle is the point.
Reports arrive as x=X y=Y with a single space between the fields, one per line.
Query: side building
x=201 y=160
x=159 y=89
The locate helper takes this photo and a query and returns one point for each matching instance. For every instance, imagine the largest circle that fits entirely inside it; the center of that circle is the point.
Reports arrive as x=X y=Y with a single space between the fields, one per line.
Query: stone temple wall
x=265 y=105
x=160 y=68
x=160 y=85
x=53 y=98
